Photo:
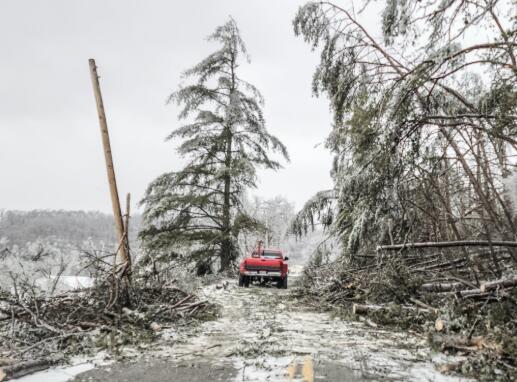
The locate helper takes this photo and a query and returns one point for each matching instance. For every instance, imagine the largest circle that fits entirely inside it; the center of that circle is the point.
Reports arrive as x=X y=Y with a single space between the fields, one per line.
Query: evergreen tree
x=196 y=212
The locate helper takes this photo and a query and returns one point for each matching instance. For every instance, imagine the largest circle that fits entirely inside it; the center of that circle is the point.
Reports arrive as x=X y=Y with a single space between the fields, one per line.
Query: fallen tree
x=464 y=308
x=448 y=244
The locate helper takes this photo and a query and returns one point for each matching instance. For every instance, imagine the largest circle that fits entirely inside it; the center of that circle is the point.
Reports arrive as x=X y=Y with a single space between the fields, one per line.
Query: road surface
x=263 y=334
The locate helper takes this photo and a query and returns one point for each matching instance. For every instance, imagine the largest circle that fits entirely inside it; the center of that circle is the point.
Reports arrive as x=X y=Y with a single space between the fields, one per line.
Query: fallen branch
x=447 y=244
x=21 y=369
x=360 y=309
x=492 y=285
x=182 y=301
x=463 y=343
x=442 y=287
x=61 y=337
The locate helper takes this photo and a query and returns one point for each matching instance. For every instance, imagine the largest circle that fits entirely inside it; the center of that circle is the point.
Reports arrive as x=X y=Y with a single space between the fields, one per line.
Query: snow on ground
x=77 y=365
x=64 y=283
x=58 y=374
x=267 y=335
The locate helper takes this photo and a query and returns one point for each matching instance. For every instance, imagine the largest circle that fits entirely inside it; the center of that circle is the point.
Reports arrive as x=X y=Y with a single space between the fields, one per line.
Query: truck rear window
x=271 y=255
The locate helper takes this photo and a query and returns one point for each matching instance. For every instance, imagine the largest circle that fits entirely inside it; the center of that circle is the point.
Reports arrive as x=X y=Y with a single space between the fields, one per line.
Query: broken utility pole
x=122 y=256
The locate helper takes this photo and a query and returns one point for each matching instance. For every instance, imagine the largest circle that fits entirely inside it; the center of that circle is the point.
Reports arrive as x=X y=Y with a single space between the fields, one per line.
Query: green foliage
x=406 y=110
x=196 y=212
x=319 y=208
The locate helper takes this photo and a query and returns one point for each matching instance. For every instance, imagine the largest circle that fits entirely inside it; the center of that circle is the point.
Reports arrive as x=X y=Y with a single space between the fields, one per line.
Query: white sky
x=50 y=153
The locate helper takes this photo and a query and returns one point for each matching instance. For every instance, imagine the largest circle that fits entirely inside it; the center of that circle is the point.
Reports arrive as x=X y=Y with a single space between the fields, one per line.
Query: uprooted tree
x=196 y=213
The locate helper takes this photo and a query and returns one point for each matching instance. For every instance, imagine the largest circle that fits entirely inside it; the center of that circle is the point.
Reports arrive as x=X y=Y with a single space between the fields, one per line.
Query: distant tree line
x=72 y=227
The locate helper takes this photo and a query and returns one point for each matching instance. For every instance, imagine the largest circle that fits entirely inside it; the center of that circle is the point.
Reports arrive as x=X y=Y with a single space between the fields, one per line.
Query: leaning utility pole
x=122 y=254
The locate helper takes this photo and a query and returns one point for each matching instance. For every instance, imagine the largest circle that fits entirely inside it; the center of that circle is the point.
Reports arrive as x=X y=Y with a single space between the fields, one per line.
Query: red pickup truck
x=264 y=265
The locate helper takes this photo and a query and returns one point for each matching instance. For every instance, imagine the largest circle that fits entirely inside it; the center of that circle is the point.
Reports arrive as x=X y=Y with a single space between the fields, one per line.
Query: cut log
x=439 y=325
x=471 y=293
x=155 y=327
x=365 y=309
x=485 y=289
x=492 y=285
x=442 y=287
x=448 y=244
x=21 y=369
x=6 y=361
x=360 y=309
x=463 y=343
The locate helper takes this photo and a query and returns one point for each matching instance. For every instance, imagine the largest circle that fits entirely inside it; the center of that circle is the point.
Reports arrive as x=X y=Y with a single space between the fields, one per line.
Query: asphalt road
x=161 y=370
x=263 y=334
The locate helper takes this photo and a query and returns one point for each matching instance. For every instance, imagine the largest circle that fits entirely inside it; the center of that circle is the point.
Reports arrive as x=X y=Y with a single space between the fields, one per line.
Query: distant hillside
x=74 y=227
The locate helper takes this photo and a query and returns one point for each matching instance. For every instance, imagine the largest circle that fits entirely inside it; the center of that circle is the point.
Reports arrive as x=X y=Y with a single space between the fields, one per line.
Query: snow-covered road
x=265 y=335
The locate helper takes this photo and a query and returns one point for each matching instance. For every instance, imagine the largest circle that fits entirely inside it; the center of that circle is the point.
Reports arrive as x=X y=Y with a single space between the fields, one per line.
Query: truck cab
x=264 y=265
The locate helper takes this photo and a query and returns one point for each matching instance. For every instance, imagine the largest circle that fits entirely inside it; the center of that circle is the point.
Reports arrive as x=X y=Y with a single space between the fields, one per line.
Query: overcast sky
x=51 y=154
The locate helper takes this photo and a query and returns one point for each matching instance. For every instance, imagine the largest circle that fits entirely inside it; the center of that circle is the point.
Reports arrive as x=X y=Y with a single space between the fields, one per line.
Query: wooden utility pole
x=122 y=254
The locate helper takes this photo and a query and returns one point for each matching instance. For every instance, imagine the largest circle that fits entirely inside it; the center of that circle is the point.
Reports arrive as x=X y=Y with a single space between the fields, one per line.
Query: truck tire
x=246 y=281
x=241 y=281
x=284 y=283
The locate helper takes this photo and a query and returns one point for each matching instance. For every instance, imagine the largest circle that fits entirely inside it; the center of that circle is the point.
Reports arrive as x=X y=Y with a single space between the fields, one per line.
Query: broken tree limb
x=424 y=305
x=442 y=287
x=447 y=244
x=7 y=361
x=365 y=309
x=454 y=264
x=181 y=302
x=439 y=325
x=362 y=309
x=463 y=343
x=492 y=285
x=483 y=291
x=61 y=337
x=21 y=369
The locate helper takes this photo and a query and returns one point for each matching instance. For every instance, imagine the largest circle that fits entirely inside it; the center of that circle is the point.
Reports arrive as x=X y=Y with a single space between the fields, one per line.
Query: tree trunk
x=226 y=244
x=24 y=368
x=447 y=244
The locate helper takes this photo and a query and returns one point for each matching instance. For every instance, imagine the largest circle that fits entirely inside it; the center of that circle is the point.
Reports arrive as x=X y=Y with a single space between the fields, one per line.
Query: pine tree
x=196 y=212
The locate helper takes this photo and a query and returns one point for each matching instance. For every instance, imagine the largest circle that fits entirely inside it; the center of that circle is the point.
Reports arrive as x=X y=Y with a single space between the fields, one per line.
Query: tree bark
x=447 y=244
x=226 y=244
x=492 y=285
x=442 y=287
x=21 y=369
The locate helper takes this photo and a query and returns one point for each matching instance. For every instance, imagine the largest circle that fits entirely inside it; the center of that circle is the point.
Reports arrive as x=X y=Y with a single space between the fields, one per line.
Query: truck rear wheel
x=282 y=283
x=241 y=281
